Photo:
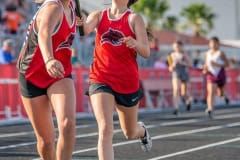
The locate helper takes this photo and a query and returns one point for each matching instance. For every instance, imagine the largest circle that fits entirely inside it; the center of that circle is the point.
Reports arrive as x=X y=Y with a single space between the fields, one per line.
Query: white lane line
x=197 y=130
x=18 y=145
x=115 y=131
x=226 y=116
x=196 y=149
x=119 y=130
x=7 y=135
x=168 y=135
x=172 y=135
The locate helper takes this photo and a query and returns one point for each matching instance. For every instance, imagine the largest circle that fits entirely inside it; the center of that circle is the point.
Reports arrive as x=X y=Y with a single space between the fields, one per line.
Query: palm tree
x=199 y=17
x=170 y=23
x=153 y=10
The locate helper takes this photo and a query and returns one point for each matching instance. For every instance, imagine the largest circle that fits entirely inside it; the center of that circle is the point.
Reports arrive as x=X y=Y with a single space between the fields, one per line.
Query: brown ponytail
x=131 y=2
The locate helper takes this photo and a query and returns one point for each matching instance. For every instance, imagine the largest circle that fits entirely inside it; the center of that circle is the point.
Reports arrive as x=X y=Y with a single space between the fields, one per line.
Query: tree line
x=198 y=16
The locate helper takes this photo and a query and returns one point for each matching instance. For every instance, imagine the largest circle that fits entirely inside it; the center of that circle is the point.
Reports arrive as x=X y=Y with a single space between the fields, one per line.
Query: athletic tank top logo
x=113 y=37
x=67 y=43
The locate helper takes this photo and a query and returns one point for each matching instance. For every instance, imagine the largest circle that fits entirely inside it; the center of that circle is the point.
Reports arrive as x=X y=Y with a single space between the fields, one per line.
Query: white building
x=93 y=5
x=227 y=23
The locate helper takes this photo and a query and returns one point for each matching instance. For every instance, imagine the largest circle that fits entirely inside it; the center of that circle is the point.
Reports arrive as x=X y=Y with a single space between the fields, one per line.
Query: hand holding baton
x=78 y=13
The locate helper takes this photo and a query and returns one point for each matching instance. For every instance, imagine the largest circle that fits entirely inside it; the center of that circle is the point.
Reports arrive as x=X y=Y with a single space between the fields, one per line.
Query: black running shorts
x=127 y=100
x=29 y=90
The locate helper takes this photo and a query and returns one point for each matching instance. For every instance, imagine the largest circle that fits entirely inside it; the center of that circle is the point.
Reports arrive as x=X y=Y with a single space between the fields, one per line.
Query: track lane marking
x=196 y=149
x=115 y=131
x=7 y=135
x=119 y=130
x=213 y=128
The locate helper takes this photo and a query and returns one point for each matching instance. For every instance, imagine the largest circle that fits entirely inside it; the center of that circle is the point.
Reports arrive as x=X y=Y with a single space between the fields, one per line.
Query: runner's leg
x=103 y=106
x=63 y=99
x=40 y=116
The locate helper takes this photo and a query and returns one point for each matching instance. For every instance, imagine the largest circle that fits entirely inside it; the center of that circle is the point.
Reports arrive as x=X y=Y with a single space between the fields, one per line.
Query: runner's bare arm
x=141 y=43
x=205 y=70
x=188 y=62
x=171 y=65
x=47 y=20
x=226 y=62
x=92 y=22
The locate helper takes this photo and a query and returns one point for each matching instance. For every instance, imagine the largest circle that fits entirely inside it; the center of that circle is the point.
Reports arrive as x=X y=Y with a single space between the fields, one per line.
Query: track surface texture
x=189 y=136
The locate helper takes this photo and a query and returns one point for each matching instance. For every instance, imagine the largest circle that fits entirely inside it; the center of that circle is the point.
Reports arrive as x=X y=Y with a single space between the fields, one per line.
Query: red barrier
x=156 y=80
x=10 y=99
x=197 y=85
x=11 y=105
x=232 y=87
x=196 y=89
x=80 y=77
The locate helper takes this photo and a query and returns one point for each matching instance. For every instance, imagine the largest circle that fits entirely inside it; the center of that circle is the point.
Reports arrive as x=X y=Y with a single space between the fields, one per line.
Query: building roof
x=168 y=37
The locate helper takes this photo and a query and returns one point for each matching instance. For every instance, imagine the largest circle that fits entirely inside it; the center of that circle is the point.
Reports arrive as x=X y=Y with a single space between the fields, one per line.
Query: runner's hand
x=55 y=68
x=130 y=42
x=204 y=70
x=79 y=21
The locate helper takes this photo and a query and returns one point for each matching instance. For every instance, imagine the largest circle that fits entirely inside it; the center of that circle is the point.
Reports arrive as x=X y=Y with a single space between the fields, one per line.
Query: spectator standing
x=74 y=58
x=160 y=63
x=12 y=18
x=6 y=52
x=197 y=61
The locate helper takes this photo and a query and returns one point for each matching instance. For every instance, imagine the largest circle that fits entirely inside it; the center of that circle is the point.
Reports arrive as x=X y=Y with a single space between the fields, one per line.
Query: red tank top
x=31 y=62
x=114 y=63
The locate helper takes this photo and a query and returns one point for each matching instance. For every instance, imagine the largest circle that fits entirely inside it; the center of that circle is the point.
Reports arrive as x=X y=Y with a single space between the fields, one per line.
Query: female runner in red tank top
x=45 y=78
x=114 y=78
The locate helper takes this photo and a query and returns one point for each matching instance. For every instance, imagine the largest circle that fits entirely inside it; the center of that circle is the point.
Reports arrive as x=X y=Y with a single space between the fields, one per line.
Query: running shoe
x=226 y=100
x=209 y=113
x=187 y=102
x=175 y=112
x=188 y=105
x=146 y=141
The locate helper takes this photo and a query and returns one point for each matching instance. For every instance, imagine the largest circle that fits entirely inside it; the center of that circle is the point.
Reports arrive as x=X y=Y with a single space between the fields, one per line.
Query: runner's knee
x=105 y=131
x=46 y=143
x=130 y=133
x=67 y=126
